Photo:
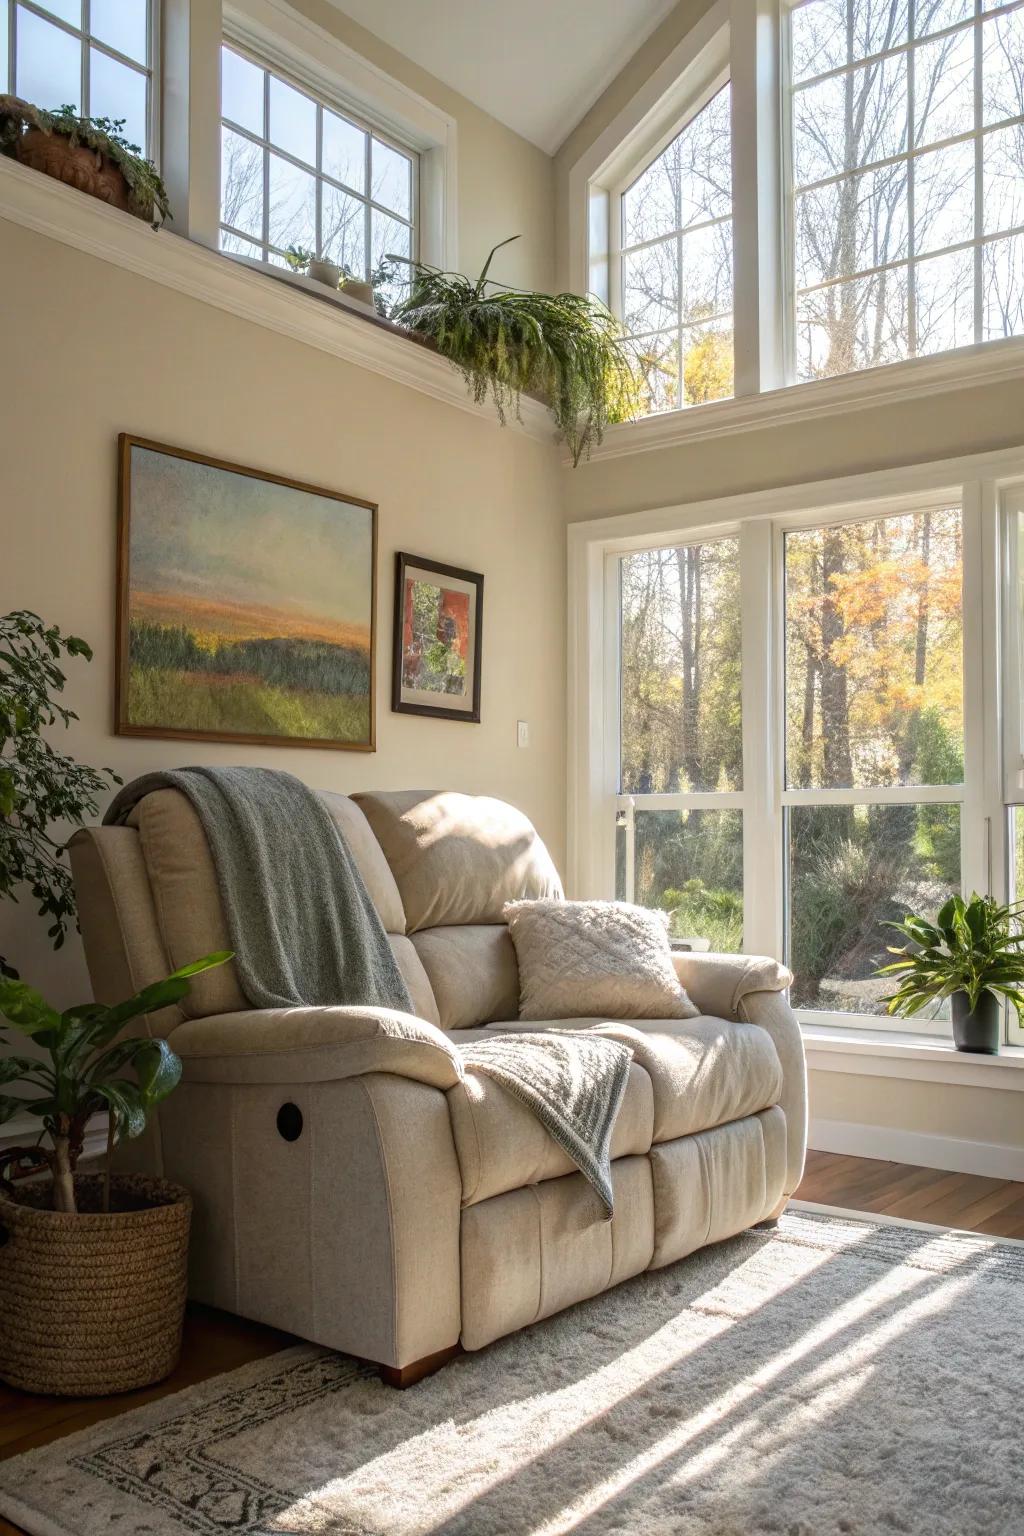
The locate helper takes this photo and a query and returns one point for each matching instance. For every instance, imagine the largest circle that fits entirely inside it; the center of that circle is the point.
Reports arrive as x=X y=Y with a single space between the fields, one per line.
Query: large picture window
x=676 y=265
x=295 y=172
x=874 y=742
x=907 y=165
x=792 y=717
x=94 y=55
x=680 y=818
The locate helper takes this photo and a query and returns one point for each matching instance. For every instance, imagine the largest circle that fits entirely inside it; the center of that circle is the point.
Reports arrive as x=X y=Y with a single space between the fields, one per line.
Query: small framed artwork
x=438 y=618
x=245 y=604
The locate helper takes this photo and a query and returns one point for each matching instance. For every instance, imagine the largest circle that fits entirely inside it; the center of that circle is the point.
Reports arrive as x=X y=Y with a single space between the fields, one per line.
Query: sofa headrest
x=458 y=858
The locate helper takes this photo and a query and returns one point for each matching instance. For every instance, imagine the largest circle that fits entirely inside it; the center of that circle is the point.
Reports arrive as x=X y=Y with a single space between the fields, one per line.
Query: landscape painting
x=245 y=605
x=437 y=639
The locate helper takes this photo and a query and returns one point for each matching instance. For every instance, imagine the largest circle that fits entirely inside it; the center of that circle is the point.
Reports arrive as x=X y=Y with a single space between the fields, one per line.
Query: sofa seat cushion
x=501 y=1145
x=704 y=1072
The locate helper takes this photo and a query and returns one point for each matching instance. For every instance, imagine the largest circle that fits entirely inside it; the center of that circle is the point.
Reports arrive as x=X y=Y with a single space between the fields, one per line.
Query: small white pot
x=361 y=292
x=324 y=272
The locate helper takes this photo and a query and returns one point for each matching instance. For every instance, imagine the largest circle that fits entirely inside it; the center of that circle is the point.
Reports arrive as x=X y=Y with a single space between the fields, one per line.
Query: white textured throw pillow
x=578 y=959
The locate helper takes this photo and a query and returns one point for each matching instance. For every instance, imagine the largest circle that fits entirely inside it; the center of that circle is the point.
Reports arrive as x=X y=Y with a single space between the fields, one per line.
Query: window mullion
x=762 y=864
x=756 y=191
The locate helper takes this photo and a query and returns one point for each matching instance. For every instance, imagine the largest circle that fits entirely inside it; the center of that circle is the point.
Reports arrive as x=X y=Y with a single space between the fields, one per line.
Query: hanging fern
x=507 y=342
x=101 y=134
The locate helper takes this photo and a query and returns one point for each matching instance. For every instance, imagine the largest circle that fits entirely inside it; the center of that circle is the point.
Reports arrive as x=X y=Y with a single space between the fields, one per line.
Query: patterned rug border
x=892 y=1244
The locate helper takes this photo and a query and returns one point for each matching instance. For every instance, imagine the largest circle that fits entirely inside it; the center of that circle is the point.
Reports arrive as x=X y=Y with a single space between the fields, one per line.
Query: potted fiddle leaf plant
x=92 y=1266
x=972 y=954
x=90 y=153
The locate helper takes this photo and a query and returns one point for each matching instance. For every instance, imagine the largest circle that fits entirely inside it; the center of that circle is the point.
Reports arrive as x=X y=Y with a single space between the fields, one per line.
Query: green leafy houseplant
x=566 y=347
x=972 y=952
x=83 y=1072
x=103 y=135
x=38 y=784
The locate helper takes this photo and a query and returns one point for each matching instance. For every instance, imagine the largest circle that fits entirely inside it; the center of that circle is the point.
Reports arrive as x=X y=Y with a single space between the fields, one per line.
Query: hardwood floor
x=216 y=1342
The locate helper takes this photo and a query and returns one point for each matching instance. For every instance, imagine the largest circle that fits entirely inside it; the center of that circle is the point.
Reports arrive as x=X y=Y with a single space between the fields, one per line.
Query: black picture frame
x=406 y=699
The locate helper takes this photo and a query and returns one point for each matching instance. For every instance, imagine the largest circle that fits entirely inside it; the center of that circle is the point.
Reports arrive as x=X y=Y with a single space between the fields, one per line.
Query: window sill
x=330 y=324
x=924 y=1058
x=992 y=362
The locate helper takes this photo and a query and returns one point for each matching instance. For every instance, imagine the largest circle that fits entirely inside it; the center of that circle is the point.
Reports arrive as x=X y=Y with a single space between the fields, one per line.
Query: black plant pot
x=977 y=1031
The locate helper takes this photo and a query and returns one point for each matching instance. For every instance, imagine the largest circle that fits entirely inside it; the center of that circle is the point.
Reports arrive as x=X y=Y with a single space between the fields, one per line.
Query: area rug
x=834 y=1378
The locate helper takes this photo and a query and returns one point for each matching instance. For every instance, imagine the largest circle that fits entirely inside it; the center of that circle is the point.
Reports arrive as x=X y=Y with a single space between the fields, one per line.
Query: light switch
x=522 y=733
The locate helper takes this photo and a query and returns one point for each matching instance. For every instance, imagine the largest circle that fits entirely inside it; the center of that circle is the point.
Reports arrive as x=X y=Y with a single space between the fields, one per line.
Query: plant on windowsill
x=90 y=153
x=970 y=954
x=92 y=1269
x=566 y=348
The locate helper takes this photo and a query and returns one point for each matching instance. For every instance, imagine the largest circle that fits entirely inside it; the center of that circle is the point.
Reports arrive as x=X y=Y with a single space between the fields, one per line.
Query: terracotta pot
x=93 y=1302
x=977 y=1031
x=79 y=166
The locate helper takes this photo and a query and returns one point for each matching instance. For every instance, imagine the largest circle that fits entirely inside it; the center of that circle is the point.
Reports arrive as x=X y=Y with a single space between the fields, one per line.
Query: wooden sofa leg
x=408 y=1375
x=772 y=1219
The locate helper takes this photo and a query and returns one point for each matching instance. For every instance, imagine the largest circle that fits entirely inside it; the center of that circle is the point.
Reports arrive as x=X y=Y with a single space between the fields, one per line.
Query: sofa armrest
x=752 y=988
x=314 y=1045
x=718 y=984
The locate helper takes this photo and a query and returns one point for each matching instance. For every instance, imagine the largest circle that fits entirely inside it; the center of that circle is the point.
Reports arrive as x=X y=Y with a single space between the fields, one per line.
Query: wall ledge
x=992 y=362
x=921 y=1058
x=62 y=213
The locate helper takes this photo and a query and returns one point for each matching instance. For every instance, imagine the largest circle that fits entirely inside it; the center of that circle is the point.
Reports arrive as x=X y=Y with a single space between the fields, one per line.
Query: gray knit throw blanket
x=300 y=920
x=572 y=1081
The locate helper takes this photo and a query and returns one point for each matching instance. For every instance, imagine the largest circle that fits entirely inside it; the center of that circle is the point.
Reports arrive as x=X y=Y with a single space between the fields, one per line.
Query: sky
x=220 y=537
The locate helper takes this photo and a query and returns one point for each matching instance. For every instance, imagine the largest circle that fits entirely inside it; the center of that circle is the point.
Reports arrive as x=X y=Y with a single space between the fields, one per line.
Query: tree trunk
x=63 y=1178
x=835 y=704
x=688 y=562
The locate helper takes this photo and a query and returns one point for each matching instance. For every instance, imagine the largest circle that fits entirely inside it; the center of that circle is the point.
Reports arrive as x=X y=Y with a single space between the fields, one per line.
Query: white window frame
x=749 y=40
x=322 y=102
x=984 y=486
x=87 y=39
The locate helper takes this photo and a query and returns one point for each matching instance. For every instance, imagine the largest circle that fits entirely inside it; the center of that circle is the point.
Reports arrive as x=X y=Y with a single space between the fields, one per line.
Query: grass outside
x=196 y=701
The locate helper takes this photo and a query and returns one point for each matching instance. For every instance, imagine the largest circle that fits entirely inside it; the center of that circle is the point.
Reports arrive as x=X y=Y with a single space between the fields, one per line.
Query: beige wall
x=928 y=1109
x=506 y=185
x=93 y=350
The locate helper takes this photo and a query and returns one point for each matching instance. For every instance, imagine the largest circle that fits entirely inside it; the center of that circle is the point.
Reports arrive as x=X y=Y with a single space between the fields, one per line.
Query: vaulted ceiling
x=537 y=66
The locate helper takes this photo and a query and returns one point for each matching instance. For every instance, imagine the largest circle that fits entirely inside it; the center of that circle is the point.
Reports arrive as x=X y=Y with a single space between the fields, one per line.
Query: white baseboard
x=953 y=1153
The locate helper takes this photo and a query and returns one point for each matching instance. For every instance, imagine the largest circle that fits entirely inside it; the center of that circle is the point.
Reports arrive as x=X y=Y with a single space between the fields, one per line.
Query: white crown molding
x=42 y=204
x=993 y=362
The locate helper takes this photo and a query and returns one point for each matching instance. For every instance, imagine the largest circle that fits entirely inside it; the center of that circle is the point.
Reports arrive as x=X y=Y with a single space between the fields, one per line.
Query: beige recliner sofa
x=352 y=1184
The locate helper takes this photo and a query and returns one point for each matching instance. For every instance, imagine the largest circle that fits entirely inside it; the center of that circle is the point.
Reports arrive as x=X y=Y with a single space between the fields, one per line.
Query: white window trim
x=980 y=483
x=335 y=73
x=753 y=37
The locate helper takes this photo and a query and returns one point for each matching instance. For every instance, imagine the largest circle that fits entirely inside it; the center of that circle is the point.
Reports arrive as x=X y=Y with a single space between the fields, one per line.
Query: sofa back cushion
x=458 y=858
x=472 y=972
x=191 y=917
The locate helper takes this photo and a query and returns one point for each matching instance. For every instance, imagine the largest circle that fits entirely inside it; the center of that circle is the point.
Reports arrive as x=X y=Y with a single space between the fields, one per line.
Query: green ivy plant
x=972 y=947
x=103 y=134
x=566 y=347
x=39 y=785
x=82 y=1073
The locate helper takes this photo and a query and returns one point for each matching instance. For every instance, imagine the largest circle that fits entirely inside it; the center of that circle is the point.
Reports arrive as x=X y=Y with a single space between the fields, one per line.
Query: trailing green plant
x=39 y=785
x=565 y=347
x=83 y=1073
x=972 y=947
x=104 y=135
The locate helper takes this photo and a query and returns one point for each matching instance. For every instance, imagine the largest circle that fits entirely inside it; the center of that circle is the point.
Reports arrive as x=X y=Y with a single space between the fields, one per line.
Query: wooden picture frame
x=457 y=609
x=298 y=675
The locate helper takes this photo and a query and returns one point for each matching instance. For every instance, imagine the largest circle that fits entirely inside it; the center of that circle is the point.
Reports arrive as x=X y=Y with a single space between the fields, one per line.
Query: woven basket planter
x=90 y=1303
